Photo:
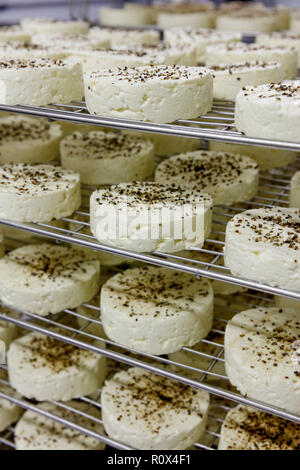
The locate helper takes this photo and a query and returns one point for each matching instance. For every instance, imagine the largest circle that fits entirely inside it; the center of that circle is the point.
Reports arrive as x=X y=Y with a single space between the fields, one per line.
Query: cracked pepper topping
x=102 y=145
x=242 y=47
x=141 y=395
x=234 y=68
x=43 y=351
x=273 y=339
x=279 y=91
x=204 y=33
x=49 y=263
x=168 y=291
x=143 y=74
x=21 y=178
x=205 y=169
x=30 y=63
x=275 y=226
x=138 y=193
x=254 y=430
x=20 y=130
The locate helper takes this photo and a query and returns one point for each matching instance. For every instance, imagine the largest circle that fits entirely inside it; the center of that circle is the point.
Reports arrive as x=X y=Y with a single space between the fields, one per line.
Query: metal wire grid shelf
x=206 y=261
x=218 y=124
x=209 y=353
x=209 y=440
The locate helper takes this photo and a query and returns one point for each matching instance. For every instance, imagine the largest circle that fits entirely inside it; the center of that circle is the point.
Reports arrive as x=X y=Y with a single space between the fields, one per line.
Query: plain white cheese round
x=262 y=245
x=255 y=21
x=265 y=157
x=26 y=140
x=109 y=16
x=246 y=428
x=159 y=93
x=43 y=368
x=262 y=356
x=150 y=412
x=156 y=310
x=50 y=25
x=39 y=81
x=295 y=190
x=47 y=278
x=230 y=79
x=107 y=157
x=123 y=36
x=228 y=178
x=270 y=111
x=281 y=39
x=38 y=193
x=204 y=19
x=200 y=38
x=238 y=52
x=37 y=432
x=146 y=216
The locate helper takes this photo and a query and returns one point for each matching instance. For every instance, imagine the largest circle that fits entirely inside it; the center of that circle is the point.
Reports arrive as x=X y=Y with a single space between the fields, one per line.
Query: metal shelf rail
x=206 y=261
x=218 y=124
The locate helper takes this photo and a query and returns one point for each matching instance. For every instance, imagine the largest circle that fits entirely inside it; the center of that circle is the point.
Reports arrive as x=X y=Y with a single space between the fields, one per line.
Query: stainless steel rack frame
x=207 y=261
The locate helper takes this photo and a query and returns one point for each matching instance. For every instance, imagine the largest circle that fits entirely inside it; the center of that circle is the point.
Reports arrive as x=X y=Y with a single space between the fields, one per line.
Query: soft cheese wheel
x=169 y=19
x=200 y=38
x=156 y=310
x=47 y=278
x=265 y=157
x=100 y=60
x=174 y=54
x=148 y=9
x=43 y=368
x=50 y=25
x=39 y=81
x=159 y=94
x=8 y=331
x=230 y=79
x=107 y=157
x=37 y=432
x=238 y=52
x=20 y=50
x=26 y=140
x=295 y=190
x=246 y=428
x=38 y=193
x=65 y=43
x=110 y=16
x=146 y=216
x=165 y=145
x=262 y=356
x=148 y=412
x=248 y=21
x=9 y=411
x=228 y=178
x=263 y=245
x=123 y=36
x=270 y=111
x=283 y=39
x=14 y=33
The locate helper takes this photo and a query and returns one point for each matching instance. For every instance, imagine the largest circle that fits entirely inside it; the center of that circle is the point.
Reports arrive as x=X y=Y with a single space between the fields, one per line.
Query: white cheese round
x=270 y=111
x=145 y=217
x=262 y=356
x=281 y=39
x=295 y=190
x=38 y=193
x=47 y=278
x=110 y=16
x=248 y=21
x=159 y=94
x=149 y=412
x=156 y=310
x=50 y=25
x=14 y=33
x=123 y=36
x=107 y=157
x=228 y=178
x=42 y=368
